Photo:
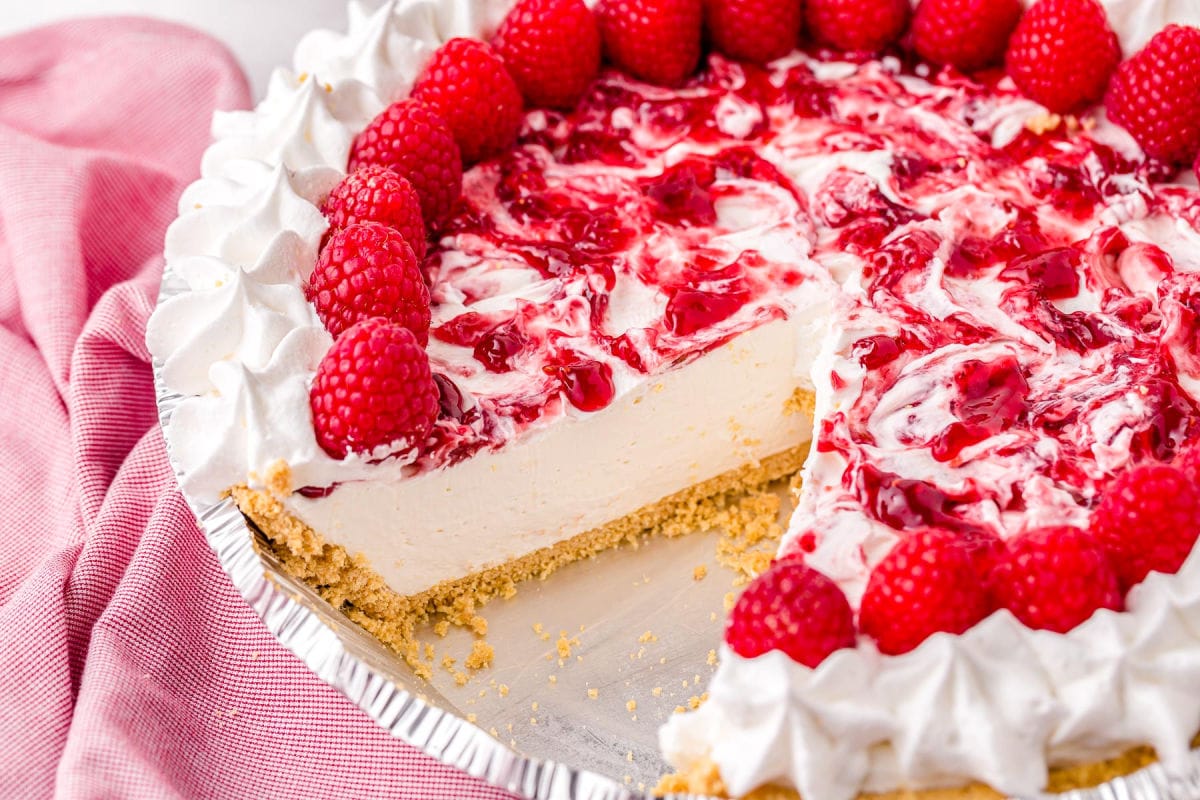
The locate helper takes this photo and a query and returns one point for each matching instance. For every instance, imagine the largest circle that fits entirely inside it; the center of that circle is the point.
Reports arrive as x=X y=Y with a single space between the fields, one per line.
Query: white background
x=261 y=33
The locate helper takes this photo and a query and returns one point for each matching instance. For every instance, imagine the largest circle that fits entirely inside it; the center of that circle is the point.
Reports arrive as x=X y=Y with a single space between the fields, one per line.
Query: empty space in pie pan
x=587 y=663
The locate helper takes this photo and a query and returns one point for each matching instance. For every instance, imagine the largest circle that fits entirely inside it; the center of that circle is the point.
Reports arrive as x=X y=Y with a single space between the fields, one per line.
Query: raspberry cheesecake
x=481 y=289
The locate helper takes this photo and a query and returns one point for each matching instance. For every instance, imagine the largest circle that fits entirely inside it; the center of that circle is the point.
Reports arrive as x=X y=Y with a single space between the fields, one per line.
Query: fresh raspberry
x=1156 y=95
x=467 y=84
x=1055 y=578
x=868 y=26
x=1148 y=520
x=928 y=583
x=793 y=608
x=1063 y=53
x=753 y=30
x=551 y=49
x=373 y=389
x=368 y=270
x=410 y=139
x=655 y=40
x=377 y=194
x=968 y=34
x=985 y=550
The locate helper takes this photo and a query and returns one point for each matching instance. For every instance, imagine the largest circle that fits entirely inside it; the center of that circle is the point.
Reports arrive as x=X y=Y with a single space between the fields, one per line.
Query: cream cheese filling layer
x=724 y=410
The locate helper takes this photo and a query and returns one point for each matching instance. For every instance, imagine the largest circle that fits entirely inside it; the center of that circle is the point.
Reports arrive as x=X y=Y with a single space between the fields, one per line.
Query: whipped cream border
x=1000 y=704
x=243 y=342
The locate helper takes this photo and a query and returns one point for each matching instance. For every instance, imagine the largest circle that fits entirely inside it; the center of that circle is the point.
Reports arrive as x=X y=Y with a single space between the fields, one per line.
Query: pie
x=650 y=283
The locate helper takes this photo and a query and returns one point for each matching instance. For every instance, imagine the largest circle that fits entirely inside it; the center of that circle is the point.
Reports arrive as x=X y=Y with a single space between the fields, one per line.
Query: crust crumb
x=481 y=656
x=751 y=534
x=1043 y=123
x=801 y=401
x=563 y=645
x=703 y=778
x=278 y=479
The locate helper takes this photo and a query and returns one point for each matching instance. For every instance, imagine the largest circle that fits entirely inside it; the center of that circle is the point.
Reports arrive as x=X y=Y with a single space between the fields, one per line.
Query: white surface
x=261 y=33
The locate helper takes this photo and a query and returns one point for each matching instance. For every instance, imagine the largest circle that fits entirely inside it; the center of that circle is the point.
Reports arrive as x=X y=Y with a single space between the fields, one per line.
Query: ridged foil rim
x=349 y=660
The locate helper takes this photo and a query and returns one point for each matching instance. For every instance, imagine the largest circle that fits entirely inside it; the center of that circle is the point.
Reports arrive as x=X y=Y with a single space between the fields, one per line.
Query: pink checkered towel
x=129 y=666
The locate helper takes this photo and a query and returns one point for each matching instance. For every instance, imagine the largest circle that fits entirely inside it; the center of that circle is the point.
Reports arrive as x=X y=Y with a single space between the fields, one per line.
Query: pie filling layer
x=636 y=304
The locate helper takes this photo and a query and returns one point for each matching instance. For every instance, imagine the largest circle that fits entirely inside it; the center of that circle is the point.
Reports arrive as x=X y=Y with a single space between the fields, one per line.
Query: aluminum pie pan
x=419 y=713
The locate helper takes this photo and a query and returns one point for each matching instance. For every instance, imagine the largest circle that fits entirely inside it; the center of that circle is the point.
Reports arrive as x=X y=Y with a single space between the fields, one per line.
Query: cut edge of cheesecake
x=348 y=583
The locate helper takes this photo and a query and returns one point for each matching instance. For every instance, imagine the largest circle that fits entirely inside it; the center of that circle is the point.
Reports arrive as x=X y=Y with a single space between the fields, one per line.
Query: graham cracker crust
x=349 y=583
x=706 y=780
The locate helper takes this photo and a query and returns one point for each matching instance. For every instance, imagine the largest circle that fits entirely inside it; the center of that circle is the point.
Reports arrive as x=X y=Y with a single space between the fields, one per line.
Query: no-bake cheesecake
x=655 y=286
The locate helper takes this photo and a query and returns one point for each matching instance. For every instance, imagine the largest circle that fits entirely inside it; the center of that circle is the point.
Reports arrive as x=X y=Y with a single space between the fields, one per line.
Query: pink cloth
x=129 y=666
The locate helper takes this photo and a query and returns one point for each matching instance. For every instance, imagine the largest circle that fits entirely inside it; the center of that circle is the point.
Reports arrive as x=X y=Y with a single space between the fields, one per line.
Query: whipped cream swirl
x=997 y=704
x=243 y=343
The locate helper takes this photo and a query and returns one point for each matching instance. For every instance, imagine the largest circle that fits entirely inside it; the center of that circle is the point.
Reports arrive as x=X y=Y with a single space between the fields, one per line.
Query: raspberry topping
x=655 y=40
x=409 y=138
x=535 y=272
x=368 y=270
x=753 y=30
x=867 y=26
x=588 y=385
x=467 y=84
x=551 y=49
x=793 y=608
x=928 y=583
x=1063 y=53
x=373 y=389
x=1156 y=95
x=377 y=194
x=990 y=397
x=1148 y=520
x=968 y=34
x=1055 y=578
